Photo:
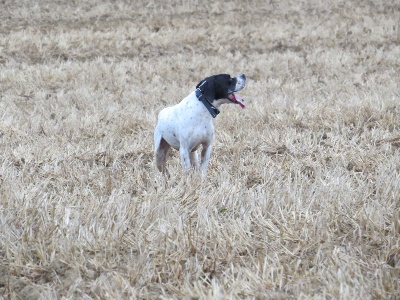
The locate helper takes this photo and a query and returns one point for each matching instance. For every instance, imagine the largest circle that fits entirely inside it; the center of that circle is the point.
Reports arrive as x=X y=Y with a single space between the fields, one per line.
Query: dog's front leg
x=205 y=158
x=194 y=161
x=185 y=158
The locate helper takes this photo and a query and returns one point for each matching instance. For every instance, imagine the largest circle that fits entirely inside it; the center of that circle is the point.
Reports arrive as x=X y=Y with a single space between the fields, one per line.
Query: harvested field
x=302 y=197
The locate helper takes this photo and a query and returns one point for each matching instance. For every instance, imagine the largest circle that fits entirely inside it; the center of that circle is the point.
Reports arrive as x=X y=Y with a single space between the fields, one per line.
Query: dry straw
x=302 y=194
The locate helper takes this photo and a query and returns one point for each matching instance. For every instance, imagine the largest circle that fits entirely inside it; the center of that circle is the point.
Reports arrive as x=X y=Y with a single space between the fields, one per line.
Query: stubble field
x=302 y=194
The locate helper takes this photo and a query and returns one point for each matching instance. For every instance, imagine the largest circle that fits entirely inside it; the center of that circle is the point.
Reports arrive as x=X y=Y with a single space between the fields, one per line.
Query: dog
x=188 y=125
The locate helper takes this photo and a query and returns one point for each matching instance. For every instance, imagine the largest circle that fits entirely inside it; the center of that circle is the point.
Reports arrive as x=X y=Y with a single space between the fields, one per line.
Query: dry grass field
x=302 y=197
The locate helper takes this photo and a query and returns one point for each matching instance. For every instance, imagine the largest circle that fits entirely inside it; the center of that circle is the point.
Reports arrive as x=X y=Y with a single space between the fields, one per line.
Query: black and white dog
x=188 y=124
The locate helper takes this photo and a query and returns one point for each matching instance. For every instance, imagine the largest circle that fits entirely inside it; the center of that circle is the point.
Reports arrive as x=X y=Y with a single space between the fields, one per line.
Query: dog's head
x=223 y=86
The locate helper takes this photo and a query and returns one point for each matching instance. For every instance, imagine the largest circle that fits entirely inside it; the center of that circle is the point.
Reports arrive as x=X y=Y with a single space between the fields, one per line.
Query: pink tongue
x=237 y=99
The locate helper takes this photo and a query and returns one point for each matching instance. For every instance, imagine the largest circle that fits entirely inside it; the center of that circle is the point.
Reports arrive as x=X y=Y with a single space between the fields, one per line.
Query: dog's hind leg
x=161 y=148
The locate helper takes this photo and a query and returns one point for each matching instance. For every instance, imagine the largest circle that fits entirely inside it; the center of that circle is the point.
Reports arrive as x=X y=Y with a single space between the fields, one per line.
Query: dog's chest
x=188 y=123
x=196 y=129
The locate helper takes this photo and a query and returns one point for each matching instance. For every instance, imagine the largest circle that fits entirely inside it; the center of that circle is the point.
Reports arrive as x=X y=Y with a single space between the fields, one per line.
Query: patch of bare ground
x=302 y=194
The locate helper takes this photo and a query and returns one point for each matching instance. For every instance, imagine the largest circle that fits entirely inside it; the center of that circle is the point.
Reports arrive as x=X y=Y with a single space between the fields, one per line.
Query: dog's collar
x=211 y=108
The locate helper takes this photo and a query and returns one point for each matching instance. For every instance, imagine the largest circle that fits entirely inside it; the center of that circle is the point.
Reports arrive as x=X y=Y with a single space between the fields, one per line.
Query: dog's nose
x=242 y=76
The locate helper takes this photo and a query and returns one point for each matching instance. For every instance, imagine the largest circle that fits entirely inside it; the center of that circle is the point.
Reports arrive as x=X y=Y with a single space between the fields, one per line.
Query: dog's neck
x=211 y=108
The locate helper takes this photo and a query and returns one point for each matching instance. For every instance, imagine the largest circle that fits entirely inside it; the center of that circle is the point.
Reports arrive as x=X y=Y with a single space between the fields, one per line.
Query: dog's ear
x=207 y=88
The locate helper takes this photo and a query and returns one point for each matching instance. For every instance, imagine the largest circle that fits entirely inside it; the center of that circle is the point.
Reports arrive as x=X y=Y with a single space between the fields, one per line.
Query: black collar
x=211 y=108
